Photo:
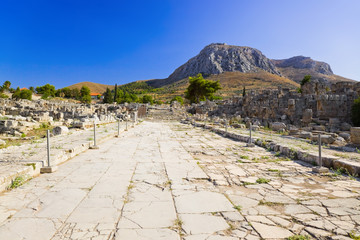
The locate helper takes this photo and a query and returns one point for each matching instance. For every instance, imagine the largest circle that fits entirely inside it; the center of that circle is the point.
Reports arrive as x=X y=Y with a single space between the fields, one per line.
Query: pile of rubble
x=17 y=118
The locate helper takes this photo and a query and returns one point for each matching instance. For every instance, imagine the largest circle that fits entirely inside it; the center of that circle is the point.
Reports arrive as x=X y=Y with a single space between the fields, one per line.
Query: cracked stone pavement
x=166 y=180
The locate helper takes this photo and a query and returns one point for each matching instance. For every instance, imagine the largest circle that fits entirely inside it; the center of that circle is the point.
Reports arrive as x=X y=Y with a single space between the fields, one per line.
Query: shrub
x=262 y=180
x=22 y=94
x=178 y=99
x=306 y=79
x=17 y=182
x=3 y=95
x=147 y=99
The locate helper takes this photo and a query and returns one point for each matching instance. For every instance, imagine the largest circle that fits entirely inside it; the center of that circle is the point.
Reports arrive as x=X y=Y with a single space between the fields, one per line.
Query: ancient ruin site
x=141 y=171
x=180 y=120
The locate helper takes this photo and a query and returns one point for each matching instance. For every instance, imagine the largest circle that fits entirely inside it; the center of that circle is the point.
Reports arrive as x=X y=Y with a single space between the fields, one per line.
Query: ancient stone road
x=167 y=181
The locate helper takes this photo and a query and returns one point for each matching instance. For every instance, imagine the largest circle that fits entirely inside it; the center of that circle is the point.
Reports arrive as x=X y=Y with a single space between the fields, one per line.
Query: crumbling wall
x=317 y=102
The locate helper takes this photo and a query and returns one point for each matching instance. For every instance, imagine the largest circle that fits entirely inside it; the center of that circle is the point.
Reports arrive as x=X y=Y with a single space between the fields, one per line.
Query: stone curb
x=30 y=172
x=329 y=162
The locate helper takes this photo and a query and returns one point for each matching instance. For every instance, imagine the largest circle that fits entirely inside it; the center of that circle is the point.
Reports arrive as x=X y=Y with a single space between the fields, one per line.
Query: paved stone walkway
x=164 y=181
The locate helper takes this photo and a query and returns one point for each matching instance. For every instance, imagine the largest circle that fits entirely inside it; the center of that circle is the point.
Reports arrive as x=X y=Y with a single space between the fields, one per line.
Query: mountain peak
x=217 y=58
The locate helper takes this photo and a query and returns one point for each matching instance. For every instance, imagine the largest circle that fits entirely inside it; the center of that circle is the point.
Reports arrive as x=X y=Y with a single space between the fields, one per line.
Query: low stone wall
x=330 y=162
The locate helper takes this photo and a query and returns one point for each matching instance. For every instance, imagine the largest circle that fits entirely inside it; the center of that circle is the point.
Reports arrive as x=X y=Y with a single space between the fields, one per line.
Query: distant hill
x=296 y=68
x=94 y=87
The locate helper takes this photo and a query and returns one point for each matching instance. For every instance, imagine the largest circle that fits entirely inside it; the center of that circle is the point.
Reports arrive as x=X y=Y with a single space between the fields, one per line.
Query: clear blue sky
x=68 y=41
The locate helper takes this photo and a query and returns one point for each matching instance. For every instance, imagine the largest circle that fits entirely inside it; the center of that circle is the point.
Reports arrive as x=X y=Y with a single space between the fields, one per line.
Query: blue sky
x=65 y=42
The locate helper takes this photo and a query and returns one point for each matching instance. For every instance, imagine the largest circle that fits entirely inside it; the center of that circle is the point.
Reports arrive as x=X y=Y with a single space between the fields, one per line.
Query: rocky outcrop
x=301 y=62
x=218 y=58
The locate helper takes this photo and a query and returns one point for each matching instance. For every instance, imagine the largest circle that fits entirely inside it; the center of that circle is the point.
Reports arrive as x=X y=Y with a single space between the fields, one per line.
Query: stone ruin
x=319 y=108
x=19 y=117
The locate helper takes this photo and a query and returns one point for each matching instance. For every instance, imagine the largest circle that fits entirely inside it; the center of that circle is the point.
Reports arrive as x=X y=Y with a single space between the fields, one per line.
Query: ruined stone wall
x=317 y=102
x=20 y=116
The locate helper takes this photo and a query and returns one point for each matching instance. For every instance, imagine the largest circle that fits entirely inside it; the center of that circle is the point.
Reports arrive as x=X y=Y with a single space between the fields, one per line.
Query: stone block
x=60 y=130
x=11 y=123
x=319 y=128
x=345 y=135
x=278 y=126
x=320 y=169
x=307 y=116
x=345 y=126
x=305 y=135
x=255 y=128
x=327 y=139
x=355 y=135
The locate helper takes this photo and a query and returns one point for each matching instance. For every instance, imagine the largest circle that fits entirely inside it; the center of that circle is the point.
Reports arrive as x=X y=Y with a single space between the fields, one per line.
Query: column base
x=48 y=169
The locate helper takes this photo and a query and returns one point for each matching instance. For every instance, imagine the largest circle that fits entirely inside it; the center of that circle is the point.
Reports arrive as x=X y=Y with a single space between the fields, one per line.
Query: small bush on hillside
x=306 y=79
x=178 y=99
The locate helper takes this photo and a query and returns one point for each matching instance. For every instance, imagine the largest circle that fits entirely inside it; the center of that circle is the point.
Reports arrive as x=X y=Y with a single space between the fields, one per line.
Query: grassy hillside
x=231 y=82
x=94 y=87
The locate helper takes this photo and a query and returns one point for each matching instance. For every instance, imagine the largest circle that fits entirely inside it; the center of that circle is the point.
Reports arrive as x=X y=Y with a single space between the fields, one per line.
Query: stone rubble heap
x=19 y=117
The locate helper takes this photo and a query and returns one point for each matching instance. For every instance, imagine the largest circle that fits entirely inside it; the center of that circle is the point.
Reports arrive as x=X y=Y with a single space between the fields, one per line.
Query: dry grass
x=94 y=87
x=232 y=83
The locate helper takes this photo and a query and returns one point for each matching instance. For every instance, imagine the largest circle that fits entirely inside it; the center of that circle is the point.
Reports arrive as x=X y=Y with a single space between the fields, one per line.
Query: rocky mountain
x=301 y=62
x=217 y=58
x=296 y=68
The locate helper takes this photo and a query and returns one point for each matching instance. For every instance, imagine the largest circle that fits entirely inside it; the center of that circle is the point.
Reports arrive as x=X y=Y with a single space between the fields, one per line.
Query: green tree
x=26 y=94
x=115 y=93
x=201 y=89
x=85 y=95
x=306 y=79
x=75 y=93
x=178 y=99
x=63 y=92
x=6 y=85
x=59 y=93
x=355 y=112
x=47 y=91
x=16 y=94
x=32 y=89
x=147 y=99
x=108 y=97
x=119 y=96
x=22 y=94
